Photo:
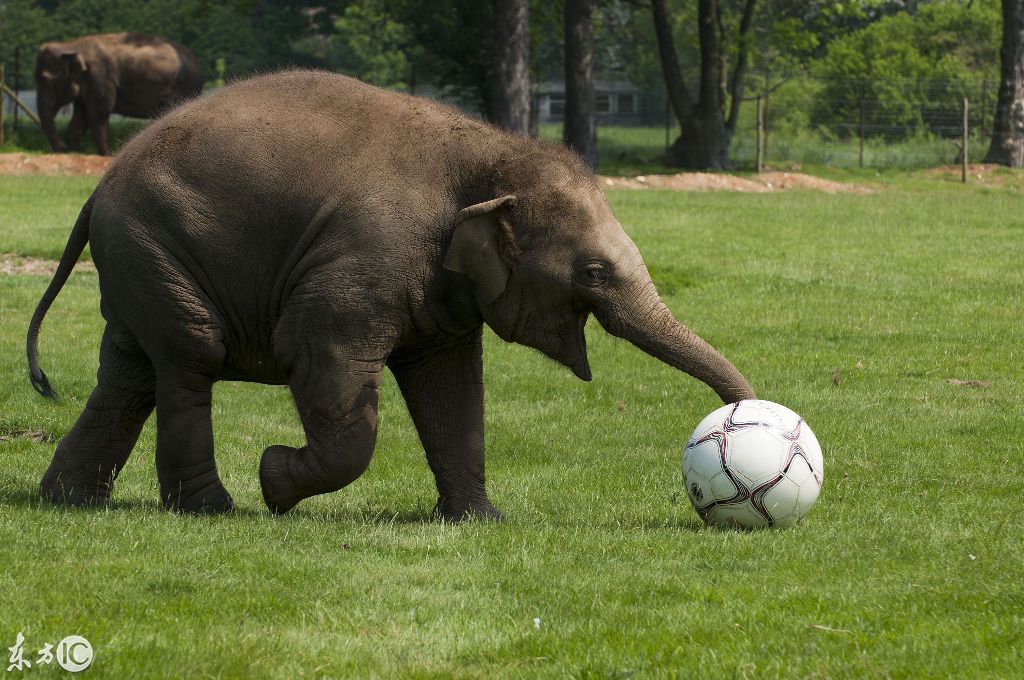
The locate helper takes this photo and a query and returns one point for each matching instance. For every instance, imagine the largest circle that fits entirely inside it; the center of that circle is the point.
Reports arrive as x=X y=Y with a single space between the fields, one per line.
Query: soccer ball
x=753 y=464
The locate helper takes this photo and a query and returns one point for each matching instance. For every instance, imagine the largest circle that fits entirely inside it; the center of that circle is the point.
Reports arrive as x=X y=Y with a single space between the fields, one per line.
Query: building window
x=627 y=104
x=603 y=103
x=556 y=105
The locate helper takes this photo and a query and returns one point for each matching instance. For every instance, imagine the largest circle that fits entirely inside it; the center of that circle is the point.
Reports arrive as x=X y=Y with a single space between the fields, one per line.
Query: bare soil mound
x=759 y=184
x=82 y=164
x=53 y=164
x=985 y=174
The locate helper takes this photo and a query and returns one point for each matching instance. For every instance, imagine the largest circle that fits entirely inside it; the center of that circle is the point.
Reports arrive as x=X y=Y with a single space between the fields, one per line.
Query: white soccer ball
x=753 y=464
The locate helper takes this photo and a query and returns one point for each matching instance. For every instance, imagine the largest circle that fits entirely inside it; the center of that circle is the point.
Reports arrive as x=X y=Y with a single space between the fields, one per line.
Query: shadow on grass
x=367 y=516
x=21 y=493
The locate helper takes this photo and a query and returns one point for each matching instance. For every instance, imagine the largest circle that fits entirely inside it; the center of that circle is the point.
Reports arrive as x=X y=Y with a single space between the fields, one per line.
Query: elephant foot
x=203 y=495
x=63 y=487
x=279 y=491
x=455 y=510
x=212 y=502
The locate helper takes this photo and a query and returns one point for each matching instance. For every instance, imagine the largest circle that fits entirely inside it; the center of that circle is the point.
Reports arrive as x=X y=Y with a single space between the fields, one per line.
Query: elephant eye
x=594 y=274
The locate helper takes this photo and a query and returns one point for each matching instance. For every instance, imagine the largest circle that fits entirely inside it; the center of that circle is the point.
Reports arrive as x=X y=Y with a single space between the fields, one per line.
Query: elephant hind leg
x=185 y=464
x=89 y=458
x=99 y=126
x=337 y=402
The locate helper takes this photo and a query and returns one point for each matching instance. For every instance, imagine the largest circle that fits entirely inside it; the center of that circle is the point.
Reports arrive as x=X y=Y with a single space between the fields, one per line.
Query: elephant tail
x=76 y=244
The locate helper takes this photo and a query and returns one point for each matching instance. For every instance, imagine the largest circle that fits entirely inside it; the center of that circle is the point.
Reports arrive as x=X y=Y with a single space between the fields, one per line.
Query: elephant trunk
x=648 y=324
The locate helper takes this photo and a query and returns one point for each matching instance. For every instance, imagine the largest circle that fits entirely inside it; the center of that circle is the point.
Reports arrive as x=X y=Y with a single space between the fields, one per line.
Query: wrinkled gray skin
x=131 y=74
x=307 y=229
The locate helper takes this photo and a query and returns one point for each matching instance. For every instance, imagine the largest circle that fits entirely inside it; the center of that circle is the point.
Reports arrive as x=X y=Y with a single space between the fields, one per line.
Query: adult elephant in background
x=131 y=74
x=308 y=229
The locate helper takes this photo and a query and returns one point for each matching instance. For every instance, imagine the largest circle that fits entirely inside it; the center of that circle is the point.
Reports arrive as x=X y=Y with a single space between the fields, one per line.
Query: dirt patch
x=974 y=170
x=38 y=436
x=81 y=164
x=985 y=174
x=53 y=164
x=766 y=182
x=784 y=181
x=970 y=383
x=19 y=264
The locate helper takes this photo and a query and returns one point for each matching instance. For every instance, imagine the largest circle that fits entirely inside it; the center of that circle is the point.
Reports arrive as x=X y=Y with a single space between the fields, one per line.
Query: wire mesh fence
x=857 y=122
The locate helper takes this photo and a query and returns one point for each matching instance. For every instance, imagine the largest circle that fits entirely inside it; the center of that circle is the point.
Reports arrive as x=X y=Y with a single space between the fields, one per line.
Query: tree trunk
x=1008 y=128
x=710 y=105
x=738 y=74
x=704 y=132
x=675 y=87
x=580 y=131
x=510 y=89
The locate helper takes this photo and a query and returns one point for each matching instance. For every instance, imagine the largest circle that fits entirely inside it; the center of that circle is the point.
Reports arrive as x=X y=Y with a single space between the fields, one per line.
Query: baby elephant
x=307 y=229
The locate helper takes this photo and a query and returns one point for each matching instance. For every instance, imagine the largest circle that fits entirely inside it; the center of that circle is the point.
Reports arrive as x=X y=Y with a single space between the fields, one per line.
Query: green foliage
x=792 y=33
x=909 y=71
x=454 y=37
x=250 y=35
x=911 y=565
x=370 y=44
x=23 y=26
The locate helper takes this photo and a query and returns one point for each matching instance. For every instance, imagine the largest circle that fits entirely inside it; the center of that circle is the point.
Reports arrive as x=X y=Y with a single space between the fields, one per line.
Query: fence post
x=668 y=114
x=17 y=79
x=1 y=104
x=984 y=107
x=220 y=65
x=860 y=161
x=760 y=124
x=963 y=155
x=17 y=82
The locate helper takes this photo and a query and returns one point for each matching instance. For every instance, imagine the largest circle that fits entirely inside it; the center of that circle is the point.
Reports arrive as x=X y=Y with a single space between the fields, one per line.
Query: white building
x=616 y=102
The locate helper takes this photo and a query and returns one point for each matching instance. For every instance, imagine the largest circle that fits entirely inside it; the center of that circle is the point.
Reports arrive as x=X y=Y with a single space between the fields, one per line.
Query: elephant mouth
x=574 y=348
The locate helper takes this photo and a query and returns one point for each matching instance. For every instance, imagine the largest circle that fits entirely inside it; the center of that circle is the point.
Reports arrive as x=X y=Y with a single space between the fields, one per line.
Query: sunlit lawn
x=855 y=310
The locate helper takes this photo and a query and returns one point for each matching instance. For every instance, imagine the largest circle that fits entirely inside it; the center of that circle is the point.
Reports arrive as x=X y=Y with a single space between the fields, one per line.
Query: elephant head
x=547 y=252
x=60 y=73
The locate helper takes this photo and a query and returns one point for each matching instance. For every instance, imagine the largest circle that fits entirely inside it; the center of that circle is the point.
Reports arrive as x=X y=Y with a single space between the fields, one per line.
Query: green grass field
x=855 y=310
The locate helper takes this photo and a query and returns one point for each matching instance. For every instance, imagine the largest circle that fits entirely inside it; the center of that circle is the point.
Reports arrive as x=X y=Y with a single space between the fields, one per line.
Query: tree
x=370 y=44
x=1007 y=146
x=510 y=50
x=705 y=126
x=22 y=29
x=907 y=74
x=580 y=130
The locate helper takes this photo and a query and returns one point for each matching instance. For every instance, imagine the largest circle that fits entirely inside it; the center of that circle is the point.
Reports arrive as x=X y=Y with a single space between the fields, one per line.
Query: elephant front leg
x=73 y=135
x=47 y=118
x=445 y=396
x=336 y=398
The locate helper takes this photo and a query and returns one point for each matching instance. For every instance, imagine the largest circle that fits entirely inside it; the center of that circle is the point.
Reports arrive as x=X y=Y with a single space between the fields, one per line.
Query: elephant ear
x=481 y=246
x=75 y=61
